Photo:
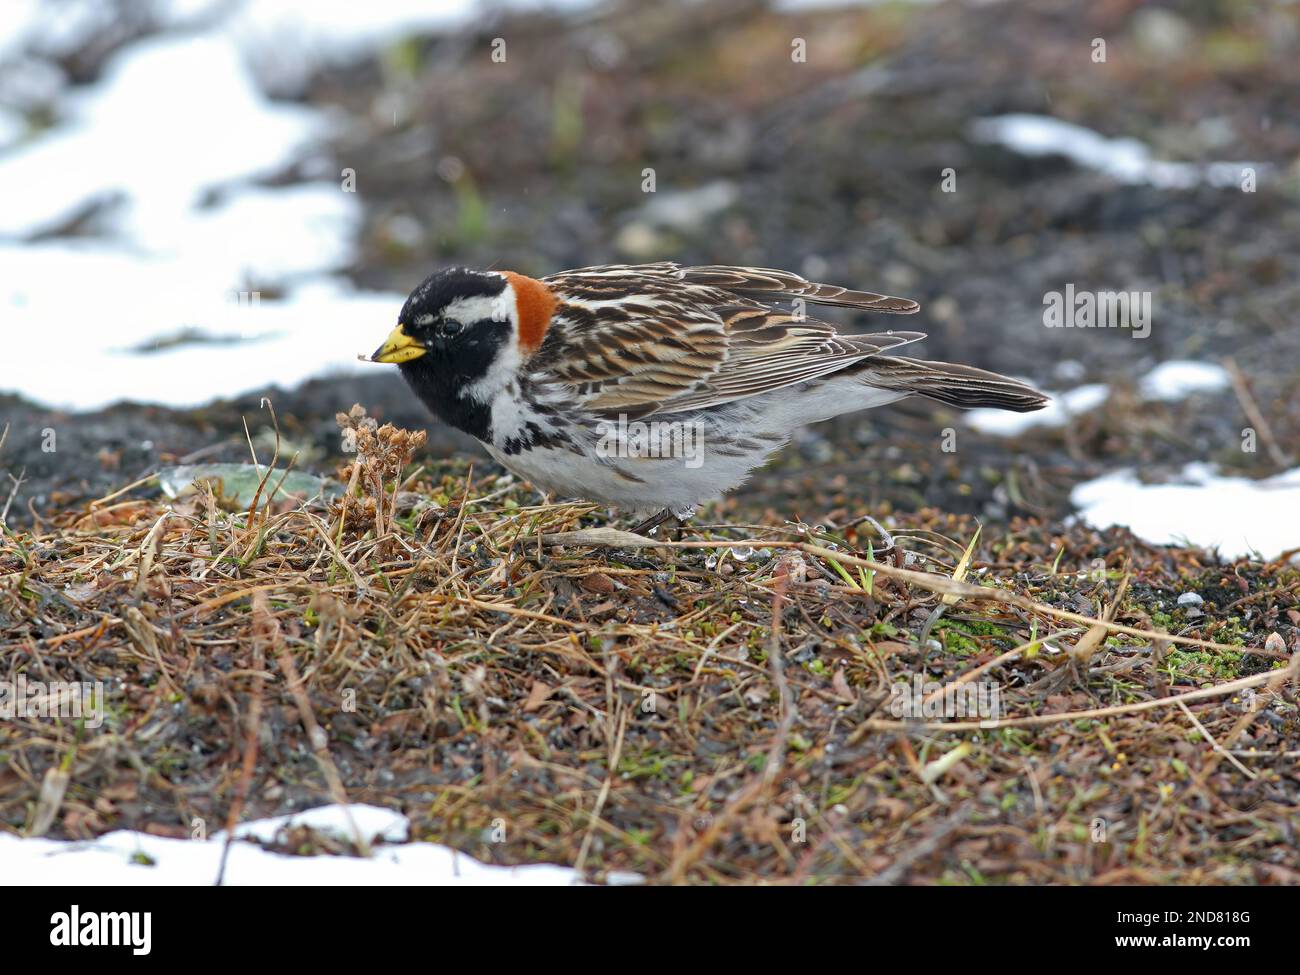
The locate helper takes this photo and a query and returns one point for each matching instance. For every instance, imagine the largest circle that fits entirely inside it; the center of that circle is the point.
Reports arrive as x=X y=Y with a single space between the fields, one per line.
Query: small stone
x=598 y=582
x=624 y=878
x=794 y=566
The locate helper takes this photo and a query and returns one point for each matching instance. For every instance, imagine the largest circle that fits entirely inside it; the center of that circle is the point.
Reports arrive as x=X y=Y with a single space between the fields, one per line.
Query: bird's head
x=463 y=325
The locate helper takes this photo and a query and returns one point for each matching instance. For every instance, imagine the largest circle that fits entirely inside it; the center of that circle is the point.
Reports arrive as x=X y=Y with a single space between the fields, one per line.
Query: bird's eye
x=452 y=328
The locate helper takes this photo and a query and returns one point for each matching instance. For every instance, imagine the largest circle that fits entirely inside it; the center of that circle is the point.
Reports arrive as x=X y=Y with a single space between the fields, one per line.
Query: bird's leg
x=888 y=548
x=650 y=524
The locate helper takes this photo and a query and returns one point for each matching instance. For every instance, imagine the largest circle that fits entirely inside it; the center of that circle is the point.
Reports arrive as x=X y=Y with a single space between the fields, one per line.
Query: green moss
x=960 y=636
x=648 y=765
x=1201 y=664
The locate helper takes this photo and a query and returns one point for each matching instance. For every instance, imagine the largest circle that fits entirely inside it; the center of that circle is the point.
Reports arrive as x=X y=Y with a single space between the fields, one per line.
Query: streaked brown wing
x=766 y=284
x=609 y=281
x=641 y=339
x=769 y=350
x=627 y=342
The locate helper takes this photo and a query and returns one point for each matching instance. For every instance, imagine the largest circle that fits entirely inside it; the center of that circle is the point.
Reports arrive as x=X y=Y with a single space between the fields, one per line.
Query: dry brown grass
x=711 y=711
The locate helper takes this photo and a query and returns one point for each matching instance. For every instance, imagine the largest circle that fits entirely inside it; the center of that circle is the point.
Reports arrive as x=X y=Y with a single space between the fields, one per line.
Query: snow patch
x=374 y=823
x=1168 y=382
x=1234 y=514
x=106 y=311
x=126 y=858
x=157 y=164
x=1178 y=378
x=1126 y=160
x=172 y=117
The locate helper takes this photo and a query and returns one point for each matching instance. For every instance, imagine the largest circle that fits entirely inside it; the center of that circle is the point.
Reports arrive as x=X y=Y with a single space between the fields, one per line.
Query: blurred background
x=203 y=202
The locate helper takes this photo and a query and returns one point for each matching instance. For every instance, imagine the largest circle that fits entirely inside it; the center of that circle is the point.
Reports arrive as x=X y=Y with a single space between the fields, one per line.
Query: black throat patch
x=441 y=376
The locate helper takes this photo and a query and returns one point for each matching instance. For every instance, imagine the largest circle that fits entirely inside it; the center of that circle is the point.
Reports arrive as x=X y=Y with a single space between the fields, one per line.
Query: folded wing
x=645 y=339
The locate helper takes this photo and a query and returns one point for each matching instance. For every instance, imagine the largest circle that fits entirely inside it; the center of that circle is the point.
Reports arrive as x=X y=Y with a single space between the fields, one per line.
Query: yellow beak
x=398 y=347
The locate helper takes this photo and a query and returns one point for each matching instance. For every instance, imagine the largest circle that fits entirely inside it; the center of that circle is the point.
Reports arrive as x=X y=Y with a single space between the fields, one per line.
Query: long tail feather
x=961 y=386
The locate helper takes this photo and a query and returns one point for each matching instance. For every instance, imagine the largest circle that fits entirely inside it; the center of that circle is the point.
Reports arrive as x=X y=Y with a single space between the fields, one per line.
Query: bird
x=656 y=388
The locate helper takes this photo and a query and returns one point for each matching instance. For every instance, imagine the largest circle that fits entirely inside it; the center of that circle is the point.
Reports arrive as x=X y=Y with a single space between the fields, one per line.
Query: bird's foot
x=652 y=524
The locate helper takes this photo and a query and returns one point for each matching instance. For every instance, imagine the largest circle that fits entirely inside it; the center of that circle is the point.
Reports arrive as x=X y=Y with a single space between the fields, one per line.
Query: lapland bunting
x=656 y=387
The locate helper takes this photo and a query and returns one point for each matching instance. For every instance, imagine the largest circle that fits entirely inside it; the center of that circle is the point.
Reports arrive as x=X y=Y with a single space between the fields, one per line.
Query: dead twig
x=1273 y=678
x=1253 y=413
